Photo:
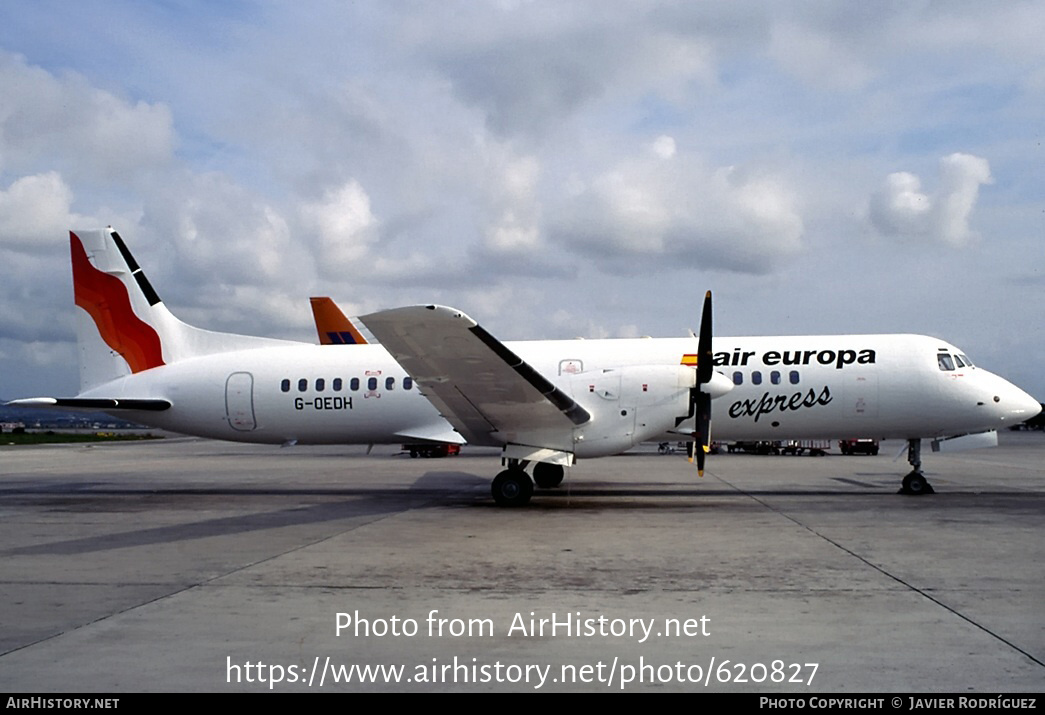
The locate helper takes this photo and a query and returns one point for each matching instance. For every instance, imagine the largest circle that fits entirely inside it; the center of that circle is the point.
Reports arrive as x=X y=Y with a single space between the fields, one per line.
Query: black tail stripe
x=136 y=271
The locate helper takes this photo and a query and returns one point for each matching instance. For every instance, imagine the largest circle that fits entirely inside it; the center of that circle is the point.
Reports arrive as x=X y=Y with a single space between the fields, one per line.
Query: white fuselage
x=883 y=386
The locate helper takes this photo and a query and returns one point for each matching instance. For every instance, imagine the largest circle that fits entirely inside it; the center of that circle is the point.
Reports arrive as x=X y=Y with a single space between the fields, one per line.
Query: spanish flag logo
x=689 y=359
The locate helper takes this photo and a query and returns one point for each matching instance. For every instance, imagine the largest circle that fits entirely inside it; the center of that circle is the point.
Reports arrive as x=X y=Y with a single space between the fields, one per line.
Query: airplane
x=333 y=327
x=437 y=375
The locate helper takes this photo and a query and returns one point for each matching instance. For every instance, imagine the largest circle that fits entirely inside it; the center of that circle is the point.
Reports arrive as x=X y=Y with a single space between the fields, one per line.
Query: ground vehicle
x=429 y=449
x=858 y=446
x=754 y=447
x=815 y=447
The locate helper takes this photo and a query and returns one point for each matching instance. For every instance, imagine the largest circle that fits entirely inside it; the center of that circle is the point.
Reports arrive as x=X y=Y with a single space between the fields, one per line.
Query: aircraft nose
x=1030 y=406
x=1013 y=404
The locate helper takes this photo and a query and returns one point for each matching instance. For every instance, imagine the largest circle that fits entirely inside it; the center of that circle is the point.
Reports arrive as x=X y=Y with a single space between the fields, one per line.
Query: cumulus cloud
x=530 y=69
x=667 y=211
x=344 y=228
x=663 y=146
x=65 y=123
x=901 y=208
x=206 y=244
x=513 y=227
x=536 y=147
x=34 y=212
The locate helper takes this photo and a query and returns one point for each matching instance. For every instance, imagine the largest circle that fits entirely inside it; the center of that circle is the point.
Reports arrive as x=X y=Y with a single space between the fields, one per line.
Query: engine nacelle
x=629 y=405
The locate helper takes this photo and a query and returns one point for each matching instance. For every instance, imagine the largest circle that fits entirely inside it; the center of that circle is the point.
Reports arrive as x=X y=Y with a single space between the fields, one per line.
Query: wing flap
x=486 y=391
x=431 y=433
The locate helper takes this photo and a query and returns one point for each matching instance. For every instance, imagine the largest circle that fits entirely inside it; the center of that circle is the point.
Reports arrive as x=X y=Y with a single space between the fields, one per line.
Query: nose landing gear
x=915 y=483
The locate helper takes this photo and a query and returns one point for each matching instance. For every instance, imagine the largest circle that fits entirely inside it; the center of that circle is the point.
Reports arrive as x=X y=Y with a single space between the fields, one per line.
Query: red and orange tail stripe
x=106 y=300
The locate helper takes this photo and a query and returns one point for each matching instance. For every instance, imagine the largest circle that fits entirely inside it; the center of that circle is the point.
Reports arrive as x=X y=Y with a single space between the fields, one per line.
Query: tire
x=916 y=484
x=512 y=488
x=548 y=476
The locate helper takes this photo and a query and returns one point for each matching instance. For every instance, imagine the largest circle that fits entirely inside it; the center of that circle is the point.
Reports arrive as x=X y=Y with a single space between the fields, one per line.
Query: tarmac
x=185 y=565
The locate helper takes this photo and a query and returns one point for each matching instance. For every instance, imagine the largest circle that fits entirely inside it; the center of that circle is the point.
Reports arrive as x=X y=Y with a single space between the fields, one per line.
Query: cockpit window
x=946 y=363
x=967 y=361
x=958 y=361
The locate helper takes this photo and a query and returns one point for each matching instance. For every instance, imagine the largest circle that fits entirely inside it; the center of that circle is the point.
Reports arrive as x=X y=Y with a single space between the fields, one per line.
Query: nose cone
x=1029 y=407
x=1011 y=404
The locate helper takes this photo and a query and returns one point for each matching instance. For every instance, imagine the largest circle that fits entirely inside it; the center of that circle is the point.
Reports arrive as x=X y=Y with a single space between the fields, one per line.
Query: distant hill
x=59 y=419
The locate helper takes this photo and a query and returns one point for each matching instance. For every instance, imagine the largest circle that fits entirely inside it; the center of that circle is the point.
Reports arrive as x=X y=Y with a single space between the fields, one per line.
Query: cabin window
x=302 y=385
x=390 y=383
x=756 y=378
x=738 y=378
x=285 y=385
x=353 y=384
x=371 y=384
x=774 y=377
x=336 y=385
x=408 y=383
x=320 y=384
x=945 y=361
x=793 y=376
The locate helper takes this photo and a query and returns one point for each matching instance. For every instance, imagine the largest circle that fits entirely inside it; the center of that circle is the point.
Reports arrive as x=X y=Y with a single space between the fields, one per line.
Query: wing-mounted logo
x=106 y=300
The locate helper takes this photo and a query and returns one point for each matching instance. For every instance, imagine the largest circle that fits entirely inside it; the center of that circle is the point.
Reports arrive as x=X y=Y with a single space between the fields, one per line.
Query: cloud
x=902 y=209
x=664 y=211
x=578 y=154
x=529 y=69
x=34 y=212
x=663 y=146
x=344 y=228
x=819 y=58
x=212 y=249
x=64 y=123
x=514 y=223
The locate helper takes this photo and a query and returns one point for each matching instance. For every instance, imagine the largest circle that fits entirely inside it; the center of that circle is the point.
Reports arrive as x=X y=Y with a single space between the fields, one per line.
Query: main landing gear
x=915 y=483
x=513 y=487
x=548 y=476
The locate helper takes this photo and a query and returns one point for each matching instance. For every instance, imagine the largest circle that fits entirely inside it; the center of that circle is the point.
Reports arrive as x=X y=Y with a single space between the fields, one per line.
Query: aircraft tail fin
x=124 y=327
x=332 y=325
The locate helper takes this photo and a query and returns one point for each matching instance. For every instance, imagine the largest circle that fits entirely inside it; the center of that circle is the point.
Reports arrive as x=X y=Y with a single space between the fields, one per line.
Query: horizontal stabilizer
x=95 y=403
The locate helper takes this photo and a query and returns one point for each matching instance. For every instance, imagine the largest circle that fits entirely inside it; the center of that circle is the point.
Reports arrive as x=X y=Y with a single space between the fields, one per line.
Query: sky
x=553 y=169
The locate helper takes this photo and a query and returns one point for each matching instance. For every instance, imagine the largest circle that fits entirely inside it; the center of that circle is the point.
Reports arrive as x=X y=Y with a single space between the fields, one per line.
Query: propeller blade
x=705 y=360
x=700 y=401
x=702 y=433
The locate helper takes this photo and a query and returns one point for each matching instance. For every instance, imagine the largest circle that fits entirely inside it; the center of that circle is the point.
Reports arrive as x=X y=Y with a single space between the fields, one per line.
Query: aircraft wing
x=482 y=388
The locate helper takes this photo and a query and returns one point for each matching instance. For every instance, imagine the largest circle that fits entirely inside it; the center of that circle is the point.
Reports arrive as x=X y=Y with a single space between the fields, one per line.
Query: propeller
x=699 y=399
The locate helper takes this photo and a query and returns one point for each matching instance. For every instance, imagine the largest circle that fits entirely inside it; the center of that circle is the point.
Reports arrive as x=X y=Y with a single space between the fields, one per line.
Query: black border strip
x=139 y=275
